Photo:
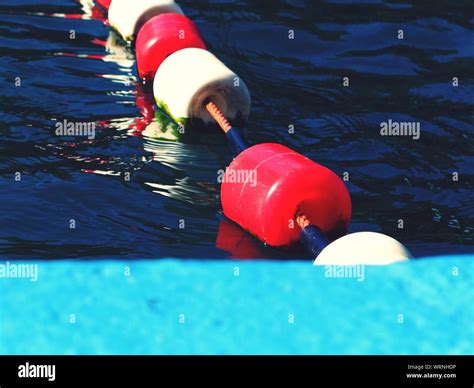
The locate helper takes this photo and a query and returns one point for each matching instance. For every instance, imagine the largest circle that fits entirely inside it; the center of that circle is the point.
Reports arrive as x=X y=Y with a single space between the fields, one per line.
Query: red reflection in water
x=99 y=42
x=86 y=56
x=146 y=103
x=236 y=241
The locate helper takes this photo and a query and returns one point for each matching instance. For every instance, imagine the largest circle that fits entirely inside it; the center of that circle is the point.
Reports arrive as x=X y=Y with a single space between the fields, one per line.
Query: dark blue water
x=293 y=82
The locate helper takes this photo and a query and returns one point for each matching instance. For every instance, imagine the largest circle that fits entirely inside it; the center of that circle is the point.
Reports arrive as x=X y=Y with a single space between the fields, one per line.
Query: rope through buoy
x=286 y=187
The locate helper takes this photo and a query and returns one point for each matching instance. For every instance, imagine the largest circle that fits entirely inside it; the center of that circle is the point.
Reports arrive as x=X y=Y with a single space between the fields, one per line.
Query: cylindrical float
x=127 y=16
x=190 y=78
x=268 y=184
x=162 y=36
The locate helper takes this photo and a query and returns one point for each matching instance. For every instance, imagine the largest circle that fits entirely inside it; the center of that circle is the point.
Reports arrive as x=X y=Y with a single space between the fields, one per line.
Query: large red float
x=268 y=184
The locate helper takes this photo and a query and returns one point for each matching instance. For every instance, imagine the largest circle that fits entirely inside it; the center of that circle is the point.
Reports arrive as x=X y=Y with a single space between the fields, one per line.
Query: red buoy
x=267 y=185
x=104 y=3
x=161 y=36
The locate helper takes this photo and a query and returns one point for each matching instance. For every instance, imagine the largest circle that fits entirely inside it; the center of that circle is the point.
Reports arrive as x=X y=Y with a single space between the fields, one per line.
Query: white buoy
x=189 y=78
x=363 y=248
x=127 y=16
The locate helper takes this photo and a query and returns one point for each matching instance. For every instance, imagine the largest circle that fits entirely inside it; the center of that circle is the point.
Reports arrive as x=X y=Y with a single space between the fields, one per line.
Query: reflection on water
x=130 y=187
